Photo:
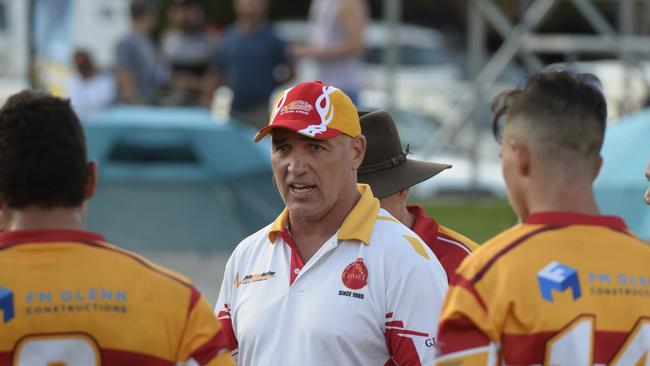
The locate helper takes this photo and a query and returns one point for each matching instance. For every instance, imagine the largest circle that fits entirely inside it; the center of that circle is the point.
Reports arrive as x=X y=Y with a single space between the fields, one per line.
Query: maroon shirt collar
x=424 y=226
x=572 y=218
x=49 y=235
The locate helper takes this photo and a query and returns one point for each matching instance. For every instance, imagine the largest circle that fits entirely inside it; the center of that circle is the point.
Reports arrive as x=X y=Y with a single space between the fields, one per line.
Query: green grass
x=479 y=219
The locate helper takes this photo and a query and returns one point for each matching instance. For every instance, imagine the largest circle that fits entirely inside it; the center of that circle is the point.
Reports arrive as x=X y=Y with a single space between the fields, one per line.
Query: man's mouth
x=301 y=188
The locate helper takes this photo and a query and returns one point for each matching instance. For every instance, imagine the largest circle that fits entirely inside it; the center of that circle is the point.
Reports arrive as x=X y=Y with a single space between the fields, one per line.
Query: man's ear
x=91 y=181
x=597 y=167
x=522 y=157
x=404 y=194
x=358 y=151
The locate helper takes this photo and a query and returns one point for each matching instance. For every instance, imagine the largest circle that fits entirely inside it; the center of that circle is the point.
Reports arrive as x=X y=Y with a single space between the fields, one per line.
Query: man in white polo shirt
x=334 y=280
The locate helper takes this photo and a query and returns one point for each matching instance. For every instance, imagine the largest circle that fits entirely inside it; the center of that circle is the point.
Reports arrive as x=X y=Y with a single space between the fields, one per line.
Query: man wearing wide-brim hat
x=390 y=174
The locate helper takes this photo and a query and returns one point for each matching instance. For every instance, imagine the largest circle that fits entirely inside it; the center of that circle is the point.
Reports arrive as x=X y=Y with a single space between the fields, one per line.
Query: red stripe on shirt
x=459 y=334
x=195 y=295
x=477 y=277
x=229 y=333
x=296 y=260
x=530 y=349
x=110 y=357
x=460 y=281
x=402 y=349
x=573 y=218
x=126 y=358
x=212 y=348
x=5 y=359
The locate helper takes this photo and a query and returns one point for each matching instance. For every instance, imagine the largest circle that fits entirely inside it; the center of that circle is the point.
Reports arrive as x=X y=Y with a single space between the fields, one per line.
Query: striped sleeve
x=466 y=334
x=224 y=309
x=453 y=238
x=204 y=342
x=411 y=320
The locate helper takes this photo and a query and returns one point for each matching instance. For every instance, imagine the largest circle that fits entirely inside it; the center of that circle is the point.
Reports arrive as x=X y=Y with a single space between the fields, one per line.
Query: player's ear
x=404 y=194
x=522 y=157
x=597 y=166
x=91 y=181
x=358 y=150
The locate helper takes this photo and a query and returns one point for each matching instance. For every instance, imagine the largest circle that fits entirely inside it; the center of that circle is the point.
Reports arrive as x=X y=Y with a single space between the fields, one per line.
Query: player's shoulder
x=450 y=236
x=397 y=241
x=127 y=262
x=489 y=254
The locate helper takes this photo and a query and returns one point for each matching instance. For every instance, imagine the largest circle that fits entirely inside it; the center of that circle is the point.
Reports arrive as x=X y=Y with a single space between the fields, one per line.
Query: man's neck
x=36 y=218
x=250 y=24
x=310 y=235
x=557 y=196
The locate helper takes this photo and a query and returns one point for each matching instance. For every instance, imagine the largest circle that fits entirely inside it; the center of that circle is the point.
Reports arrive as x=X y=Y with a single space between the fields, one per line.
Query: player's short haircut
x=42 y=152
x=557 y=110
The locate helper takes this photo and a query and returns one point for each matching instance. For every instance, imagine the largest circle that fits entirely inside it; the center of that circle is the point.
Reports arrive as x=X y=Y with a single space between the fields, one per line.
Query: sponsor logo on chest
x=253 y=277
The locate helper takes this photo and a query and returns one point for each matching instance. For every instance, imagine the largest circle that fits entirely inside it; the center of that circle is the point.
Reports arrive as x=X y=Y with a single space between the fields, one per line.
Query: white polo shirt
x=372 y=294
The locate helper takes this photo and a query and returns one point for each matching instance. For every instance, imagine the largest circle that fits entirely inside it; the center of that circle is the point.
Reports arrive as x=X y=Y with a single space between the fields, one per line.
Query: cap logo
x=280 y=103
x=325 y=110
x=297 y=106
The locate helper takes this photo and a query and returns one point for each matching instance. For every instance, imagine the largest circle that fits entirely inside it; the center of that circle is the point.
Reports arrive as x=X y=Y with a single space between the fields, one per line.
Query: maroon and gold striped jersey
x=69 y=298
x=560 y=289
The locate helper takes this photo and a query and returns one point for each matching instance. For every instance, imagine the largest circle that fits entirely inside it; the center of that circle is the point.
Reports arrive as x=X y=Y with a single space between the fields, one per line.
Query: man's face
x=312 y=174
x=250 y=8
x=509 y=163
x=647 y=192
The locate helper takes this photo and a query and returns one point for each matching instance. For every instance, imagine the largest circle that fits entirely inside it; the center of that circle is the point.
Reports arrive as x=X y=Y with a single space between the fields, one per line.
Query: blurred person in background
x=390 y=174
x=568 y=286
x=90 y=90
x=186 y=48
x=67 y=296
x=337 y=42
x=137 y=70
x=252 y=61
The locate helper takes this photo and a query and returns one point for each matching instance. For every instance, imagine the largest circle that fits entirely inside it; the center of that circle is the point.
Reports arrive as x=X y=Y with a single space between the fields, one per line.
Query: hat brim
x=296 y=126
x=389 y=181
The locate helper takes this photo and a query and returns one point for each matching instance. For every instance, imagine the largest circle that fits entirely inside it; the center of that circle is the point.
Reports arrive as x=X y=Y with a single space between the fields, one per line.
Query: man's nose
x=297 y=164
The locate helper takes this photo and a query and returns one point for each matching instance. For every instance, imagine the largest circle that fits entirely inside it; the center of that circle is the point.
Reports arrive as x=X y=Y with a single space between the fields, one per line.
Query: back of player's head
x=42 y=152
x=558 y=112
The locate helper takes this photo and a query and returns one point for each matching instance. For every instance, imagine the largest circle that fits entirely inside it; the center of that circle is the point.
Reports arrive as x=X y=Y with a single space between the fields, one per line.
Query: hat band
x=386 y=164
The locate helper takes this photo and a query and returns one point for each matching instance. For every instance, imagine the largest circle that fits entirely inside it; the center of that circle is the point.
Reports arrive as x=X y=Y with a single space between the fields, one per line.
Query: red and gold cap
x=315 y=110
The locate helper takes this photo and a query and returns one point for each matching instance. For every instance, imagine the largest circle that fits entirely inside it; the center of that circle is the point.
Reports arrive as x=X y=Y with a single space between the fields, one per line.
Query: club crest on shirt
x=355 y=275
x=297 y=106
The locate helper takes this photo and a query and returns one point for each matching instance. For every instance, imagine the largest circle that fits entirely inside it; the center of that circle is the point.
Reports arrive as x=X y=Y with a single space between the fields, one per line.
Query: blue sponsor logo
x=558 y=277
x=6 y=304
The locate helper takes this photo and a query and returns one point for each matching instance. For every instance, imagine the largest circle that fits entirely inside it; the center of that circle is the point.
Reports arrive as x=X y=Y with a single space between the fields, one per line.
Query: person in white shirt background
x=90 y=89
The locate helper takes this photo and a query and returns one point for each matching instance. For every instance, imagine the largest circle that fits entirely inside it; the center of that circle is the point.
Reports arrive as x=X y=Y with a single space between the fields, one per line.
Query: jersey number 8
x=57 y=350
